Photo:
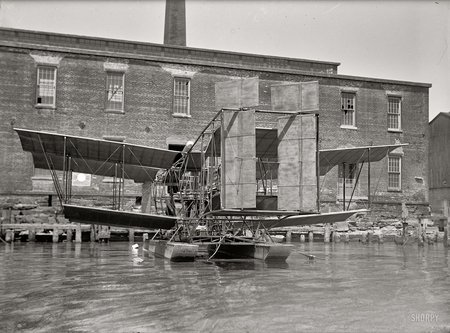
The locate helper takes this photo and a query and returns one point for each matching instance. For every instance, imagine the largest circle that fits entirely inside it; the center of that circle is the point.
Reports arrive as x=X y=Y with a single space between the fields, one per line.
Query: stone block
x=341 y=226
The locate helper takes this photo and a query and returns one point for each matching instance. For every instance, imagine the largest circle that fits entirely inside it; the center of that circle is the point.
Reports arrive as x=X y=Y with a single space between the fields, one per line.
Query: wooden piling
x=405 y=214
x=9 y=237
x=326 y=233
x=131 y=235
x=55 y=237
x=364 y=237
x=380 y=238
x=346 y=237
x=288 y=236
x=337 y=237
x=32 y=235
x=92 y=233
x=446 y=227
x=78 y=233
x=404 y=231
x=446 y=223
x=424 y=228
x=419 y=233
x=69 y=235
x=310 y=237
x=370 y=236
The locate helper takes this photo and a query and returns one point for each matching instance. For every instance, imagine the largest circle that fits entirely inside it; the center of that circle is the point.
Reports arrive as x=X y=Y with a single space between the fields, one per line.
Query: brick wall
x=148 y=118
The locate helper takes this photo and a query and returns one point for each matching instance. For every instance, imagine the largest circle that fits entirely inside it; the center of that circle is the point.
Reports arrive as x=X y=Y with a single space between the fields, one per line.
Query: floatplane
x=221 y=195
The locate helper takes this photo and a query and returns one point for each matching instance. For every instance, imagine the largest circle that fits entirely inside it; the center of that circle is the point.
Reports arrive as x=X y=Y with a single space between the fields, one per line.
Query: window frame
x=351 y=174
x=175 y=106
x=397 y=173
x=345 y=110
x=38 y=96
x=397 y=115
x=108 y=106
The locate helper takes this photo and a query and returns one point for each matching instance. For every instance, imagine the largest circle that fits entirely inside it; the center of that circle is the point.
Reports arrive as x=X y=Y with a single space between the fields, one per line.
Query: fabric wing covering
x=332 y=157
x=101 y=216
x=97 y=156
x=310 y=219
x=139 y=174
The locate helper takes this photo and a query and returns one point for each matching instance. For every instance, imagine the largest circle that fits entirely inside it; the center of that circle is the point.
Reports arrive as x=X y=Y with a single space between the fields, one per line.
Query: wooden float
x=261 y=251
x=175 y=251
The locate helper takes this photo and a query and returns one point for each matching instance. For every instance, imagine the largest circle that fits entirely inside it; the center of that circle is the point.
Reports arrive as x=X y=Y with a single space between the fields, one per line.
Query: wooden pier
x=54 y=231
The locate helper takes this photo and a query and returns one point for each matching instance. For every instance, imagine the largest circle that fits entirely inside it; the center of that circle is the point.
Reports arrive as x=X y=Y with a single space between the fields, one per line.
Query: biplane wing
x=329 y=158
x=139 y=174
x=300 y=220
x=117 y=218
x=97 y=156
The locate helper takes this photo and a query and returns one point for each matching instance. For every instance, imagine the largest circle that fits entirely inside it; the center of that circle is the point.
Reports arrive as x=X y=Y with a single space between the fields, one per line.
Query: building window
x=114 y=91
x=394 y=172
x=351 y=171
x=46 y=86
x=394 y=113
x=348 y=109
x=181 y=96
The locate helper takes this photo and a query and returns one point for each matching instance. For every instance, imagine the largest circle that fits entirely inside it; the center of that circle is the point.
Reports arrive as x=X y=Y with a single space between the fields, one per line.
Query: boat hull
x=262 y=251
x=175 y=251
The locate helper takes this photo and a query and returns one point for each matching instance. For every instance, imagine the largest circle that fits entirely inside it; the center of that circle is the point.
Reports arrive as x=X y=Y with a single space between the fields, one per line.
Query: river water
x=93 y=287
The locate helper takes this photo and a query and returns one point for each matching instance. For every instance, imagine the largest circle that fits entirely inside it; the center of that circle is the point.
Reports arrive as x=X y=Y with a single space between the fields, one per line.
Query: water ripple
x=93 y=287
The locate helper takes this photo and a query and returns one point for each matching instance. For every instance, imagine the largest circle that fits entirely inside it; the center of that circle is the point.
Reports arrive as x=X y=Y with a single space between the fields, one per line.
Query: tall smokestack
x=175 y=24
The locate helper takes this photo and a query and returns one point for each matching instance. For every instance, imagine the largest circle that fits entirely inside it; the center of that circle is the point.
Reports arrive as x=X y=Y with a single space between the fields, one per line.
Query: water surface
x=92 y=287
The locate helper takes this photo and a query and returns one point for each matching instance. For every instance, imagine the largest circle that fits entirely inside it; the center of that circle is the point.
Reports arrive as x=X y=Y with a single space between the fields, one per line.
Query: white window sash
x=394 y=113
x=46 y=86
x=394 y=172
x=115 y=91
x=348 y=109
x=181 y=96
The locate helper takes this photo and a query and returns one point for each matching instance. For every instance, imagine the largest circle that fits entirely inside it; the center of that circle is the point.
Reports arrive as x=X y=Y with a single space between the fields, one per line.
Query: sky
x=398 y=40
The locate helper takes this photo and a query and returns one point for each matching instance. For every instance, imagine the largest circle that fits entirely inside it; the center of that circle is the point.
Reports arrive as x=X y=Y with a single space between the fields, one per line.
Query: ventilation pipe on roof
x=175 y=23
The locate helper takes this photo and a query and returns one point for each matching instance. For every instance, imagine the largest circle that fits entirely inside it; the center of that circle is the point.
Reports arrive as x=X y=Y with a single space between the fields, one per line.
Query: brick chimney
x=175 y=23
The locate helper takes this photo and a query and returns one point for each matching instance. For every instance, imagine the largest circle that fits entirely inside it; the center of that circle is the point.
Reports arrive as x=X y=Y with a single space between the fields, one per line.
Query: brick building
x=439 y=160
x=163 y=96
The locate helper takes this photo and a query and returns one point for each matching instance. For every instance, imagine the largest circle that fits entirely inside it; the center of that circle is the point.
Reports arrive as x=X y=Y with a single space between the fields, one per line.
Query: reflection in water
x=247 y=264
x=93 y=287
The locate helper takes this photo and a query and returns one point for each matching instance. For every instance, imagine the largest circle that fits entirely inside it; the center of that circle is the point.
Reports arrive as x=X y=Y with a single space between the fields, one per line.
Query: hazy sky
x=400 y=40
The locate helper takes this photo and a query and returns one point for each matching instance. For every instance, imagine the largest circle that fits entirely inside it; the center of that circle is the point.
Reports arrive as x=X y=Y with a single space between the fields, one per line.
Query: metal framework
x=200 y=195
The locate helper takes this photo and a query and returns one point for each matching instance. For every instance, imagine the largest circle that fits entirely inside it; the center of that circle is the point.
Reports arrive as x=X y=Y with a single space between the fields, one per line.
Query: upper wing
x=139 y=174
x=38 y=142
x=329 y=158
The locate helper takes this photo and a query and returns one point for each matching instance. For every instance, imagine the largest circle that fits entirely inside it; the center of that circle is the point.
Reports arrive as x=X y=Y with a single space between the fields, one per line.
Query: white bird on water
x=135 y=250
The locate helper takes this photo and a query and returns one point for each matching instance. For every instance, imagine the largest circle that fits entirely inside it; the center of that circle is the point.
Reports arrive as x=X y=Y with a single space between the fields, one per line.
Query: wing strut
x=58 y=189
